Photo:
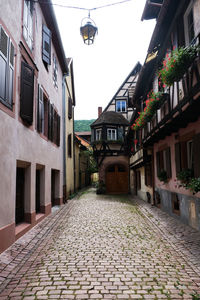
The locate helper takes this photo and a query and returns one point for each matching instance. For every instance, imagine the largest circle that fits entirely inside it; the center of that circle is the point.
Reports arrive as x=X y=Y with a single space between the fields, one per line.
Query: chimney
x=99 y=111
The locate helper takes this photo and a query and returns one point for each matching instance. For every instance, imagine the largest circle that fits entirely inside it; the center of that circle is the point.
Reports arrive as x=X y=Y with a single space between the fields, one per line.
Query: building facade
x=168 y=98
x=109 y=137
x=69 y=154
x=32 y=66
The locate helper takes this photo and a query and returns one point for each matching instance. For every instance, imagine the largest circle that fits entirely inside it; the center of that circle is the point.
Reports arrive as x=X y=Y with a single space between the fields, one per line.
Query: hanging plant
x=153 y=102
x=176 y=64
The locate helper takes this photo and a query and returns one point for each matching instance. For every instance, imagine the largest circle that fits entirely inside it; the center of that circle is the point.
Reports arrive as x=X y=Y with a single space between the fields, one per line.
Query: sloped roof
x=151 y=9
x=110 y=117
x=123 y=89
x=83 y=141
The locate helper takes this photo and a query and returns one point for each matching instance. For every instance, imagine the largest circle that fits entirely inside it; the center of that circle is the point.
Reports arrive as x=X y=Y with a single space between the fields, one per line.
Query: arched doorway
x=116 y=179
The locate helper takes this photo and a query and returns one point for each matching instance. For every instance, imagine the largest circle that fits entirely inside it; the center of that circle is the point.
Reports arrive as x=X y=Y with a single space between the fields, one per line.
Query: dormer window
x=111 y=134
x=28 y=23
x=121 y=106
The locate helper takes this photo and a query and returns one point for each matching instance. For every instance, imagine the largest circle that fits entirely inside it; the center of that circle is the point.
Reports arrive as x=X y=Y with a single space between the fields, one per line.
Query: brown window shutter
x=49 y=121
x=168 y=163
x=39 y=111
x=27 y=88
x=55 y=127
x=58 y=131
x=46 y=45
x=196 y=153
x=178 y=157
x=52 y=122
x=158 y=162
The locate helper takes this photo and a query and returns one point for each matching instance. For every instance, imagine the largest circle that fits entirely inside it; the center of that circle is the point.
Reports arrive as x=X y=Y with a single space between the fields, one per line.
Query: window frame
x=7 y=99
x=55 y=71
x=120 y=103
x=112 y=130
x=187 y=31
x=98 y=134
x=28 y=23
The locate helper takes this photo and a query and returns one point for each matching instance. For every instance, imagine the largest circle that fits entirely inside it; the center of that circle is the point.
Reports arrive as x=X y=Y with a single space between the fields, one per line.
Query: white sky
x=101 y=68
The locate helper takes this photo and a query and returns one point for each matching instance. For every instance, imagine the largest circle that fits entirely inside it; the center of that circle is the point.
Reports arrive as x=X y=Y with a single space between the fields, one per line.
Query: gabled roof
x=129 y=83
x=110 y=118
x=50 y=18
x=151 y=9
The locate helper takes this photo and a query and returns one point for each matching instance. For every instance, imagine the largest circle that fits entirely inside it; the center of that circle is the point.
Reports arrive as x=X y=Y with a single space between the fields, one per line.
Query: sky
x=101 y=68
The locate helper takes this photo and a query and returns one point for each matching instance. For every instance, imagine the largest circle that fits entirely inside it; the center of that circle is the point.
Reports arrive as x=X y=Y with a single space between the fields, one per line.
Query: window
x=46 y=45
x=42 y=124
x=120 y=133
x=148 y=175
x=121 y=106
x=190 y=154
x=28 y=23
x=187 y=153
x=98 y=134
x=69 y=108
x=69 y=145
x=55 y=71
x=163 y=161
x=48 y=120
x=27 y=88
x=6 y=68
x=189 y=24
x=111 y=134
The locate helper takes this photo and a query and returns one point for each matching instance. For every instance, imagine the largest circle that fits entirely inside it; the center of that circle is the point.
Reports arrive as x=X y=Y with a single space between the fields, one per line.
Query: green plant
x=153 y=102
x=194 y=185
x=185 y=175
x=195 y=296
x=162 y=176
x=176 y=63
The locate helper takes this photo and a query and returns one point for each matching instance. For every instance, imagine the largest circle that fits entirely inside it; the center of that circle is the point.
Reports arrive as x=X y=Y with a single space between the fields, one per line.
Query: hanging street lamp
x=88 y=30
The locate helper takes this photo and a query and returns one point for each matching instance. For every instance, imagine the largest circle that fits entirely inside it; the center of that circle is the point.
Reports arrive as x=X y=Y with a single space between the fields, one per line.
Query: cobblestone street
x=103 y=247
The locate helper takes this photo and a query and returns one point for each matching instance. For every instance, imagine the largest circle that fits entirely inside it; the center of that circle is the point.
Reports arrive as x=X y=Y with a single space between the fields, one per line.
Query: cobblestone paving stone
x=103 y=247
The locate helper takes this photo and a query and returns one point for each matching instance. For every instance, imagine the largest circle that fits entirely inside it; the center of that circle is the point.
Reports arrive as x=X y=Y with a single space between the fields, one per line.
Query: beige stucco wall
x=77 y=165
x=21 y=143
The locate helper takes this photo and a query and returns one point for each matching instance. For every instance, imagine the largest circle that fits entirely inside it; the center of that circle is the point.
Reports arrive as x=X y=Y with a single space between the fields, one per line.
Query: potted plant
x=162 y=176
x=194 y=185
x=176 y=64
x=153 y=102
x=185 y=176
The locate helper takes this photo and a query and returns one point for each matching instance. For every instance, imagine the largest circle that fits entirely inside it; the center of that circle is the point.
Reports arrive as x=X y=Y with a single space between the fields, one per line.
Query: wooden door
x=19 y=211
x=116 y=180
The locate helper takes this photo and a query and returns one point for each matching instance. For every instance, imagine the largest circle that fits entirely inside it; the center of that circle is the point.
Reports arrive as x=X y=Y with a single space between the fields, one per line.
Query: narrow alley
x=103 y=247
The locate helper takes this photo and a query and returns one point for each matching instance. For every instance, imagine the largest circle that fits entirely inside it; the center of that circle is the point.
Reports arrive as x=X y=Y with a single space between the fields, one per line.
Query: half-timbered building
x=166 y=157
x=109 y=137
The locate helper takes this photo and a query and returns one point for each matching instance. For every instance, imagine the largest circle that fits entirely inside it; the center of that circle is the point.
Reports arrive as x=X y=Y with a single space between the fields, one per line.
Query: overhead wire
x=81 y=8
